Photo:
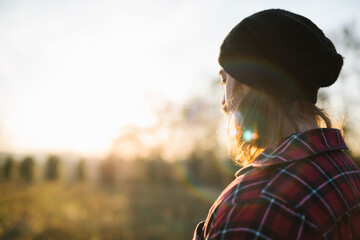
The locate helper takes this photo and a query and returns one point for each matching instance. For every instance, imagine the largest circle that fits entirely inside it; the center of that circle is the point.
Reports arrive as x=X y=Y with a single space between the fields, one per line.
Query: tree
x=9 y=168
x=204 y=168
x=347 y=98
x=52 y=168
x=108 y=171
x=80 y=171
x=158 y=171
x=27 y=169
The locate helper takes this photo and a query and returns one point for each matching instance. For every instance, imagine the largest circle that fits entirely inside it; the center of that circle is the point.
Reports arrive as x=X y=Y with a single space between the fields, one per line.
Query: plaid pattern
x=304 y=188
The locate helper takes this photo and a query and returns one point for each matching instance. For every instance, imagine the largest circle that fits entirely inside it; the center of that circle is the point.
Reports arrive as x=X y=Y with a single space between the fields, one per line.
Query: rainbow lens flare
x=249 y=135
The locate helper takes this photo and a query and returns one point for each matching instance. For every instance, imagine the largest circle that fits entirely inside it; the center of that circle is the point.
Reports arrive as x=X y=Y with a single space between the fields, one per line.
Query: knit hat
x=281 y=53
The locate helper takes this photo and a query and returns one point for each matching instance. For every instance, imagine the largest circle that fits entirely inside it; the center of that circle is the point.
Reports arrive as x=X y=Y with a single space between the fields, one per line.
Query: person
x=296 y=182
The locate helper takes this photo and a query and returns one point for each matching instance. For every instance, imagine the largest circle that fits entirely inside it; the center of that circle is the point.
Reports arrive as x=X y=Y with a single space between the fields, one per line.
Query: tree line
x=201 y=168
x=26 y=169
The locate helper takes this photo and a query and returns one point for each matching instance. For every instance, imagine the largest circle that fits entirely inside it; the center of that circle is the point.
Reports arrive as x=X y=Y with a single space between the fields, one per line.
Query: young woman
x=297 y=182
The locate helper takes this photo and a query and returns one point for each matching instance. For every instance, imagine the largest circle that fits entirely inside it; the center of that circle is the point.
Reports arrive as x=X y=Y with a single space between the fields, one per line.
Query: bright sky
x=73 y=72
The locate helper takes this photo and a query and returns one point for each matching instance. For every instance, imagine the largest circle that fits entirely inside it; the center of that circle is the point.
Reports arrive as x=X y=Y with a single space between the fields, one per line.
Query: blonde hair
x=257 y=122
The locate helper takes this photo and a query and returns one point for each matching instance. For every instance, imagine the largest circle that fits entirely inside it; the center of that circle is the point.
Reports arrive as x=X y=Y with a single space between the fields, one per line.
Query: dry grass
x=84 y=211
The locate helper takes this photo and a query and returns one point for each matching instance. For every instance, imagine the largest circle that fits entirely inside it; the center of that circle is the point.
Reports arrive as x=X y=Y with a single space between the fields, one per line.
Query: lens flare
x=205 y=194
x=237 y=131
x=252 y=66
x=249 y=135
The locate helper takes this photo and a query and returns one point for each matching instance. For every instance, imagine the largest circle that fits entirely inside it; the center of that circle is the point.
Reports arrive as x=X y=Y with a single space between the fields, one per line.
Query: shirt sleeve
x=259 y=219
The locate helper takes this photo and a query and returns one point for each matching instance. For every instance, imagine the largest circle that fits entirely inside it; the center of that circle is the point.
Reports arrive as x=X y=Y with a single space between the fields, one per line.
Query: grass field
x=85 y=211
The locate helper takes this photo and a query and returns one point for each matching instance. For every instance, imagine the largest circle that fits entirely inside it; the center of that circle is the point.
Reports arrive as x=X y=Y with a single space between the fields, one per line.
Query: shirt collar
x=299 y=146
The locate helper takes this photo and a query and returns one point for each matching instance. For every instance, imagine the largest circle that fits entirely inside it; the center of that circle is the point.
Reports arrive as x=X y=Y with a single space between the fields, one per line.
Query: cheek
x=228 y=93
x=230 y=96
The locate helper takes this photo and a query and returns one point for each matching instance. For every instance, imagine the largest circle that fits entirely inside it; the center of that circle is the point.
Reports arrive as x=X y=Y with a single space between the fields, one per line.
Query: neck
x=303 y=125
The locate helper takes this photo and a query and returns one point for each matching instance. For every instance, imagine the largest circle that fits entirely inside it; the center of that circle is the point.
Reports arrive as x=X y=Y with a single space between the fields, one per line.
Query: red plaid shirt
x=304 y=188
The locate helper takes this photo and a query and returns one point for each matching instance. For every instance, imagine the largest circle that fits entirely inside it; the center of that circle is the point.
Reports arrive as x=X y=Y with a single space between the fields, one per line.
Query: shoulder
x=298 y=200
x=248 y=209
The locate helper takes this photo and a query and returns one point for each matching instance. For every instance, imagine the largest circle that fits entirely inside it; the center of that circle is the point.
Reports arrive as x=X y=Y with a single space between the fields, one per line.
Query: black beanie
x=281 y=53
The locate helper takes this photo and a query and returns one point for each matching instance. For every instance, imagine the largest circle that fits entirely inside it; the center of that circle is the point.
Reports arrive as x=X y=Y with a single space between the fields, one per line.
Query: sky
x=74 y=72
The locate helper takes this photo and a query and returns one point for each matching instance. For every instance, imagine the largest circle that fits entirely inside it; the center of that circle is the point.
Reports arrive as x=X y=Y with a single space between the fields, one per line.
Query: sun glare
x=74 y=73
x=75 y=82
